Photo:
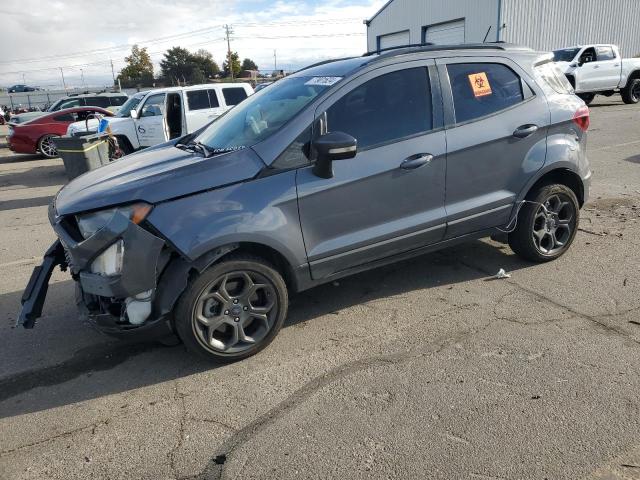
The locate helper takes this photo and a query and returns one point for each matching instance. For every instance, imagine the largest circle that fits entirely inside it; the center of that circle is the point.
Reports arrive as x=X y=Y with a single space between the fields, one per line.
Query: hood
x=155 y=175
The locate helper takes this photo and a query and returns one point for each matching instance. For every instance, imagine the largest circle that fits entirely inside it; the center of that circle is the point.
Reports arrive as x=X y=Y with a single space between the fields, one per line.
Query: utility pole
x=24 y=81
x=275 y=60
x=64 y=84
x=113 y=73
x=82 y=77
x=229 y=31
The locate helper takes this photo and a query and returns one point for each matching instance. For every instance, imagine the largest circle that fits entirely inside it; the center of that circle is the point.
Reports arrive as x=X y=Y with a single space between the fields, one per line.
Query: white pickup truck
x=156 y=116
x=600 y=70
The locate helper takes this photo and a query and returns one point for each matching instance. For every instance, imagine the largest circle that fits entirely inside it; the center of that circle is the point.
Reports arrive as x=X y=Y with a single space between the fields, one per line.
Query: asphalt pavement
x=425 y=369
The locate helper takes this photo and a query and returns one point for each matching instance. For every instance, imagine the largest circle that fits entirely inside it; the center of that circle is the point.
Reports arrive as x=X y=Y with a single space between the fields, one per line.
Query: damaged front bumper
x=103 y=299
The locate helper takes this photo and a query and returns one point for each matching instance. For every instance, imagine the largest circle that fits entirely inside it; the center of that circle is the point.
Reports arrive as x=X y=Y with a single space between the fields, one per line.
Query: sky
x=83 y=36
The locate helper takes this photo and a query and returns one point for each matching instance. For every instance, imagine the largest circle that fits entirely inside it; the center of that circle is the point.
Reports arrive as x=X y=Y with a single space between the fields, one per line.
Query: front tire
x=547 y=224
x=233 y=310
x=46 y=147
x=631 y=92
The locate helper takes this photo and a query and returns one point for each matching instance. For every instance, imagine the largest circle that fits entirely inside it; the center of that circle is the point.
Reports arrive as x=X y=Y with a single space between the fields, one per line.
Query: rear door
x=497 y=119
x=389 y=198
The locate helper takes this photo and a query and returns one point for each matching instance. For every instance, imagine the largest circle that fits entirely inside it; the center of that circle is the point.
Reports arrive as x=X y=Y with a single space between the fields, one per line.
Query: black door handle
x=525 y=130
x=416 y=161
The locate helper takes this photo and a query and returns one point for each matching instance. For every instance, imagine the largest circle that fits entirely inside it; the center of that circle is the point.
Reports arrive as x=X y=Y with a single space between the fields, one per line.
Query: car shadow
x=152 y=363
x=34 y=177
x=633 y=159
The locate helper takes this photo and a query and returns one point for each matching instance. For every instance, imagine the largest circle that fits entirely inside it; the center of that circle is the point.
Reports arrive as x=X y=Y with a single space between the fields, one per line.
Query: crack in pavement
x=171 y=454
x=596 y=319
x=215 y=468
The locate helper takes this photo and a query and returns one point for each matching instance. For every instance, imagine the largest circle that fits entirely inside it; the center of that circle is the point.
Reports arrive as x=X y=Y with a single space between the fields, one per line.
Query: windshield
x=565 y=55
x=263 y=113
x=131 y=104
x=56 y=106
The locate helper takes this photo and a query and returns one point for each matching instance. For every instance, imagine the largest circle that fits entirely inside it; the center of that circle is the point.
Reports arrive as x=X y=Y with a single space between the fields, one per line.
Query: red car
x=35 y=136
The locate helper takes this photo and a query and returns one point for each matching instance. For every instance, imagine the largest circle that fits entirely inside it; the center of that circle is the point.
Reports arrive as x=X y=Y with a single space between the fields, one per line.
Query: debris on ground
x=502 y=274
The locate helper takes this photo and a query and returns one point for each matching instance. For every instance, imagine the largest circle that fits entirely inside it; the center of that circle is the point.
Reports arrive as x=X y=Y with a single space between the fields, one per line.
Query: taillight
x=581 y=118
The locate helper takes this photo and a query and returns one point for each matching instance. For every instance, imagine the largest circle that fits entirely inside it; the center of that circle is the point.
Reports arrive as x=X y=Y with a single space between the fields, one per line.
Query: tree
x=248 y=64
x=139 y=69
x=235 y=62
x=177 y=65
x=204 y=61
x=181 y=66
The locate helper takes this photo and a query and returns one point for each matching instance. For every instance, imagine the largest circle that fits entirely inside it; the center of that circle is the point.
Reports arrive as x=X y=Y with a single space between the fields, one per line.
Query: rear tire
x=546 y=233
x=46 y=146
x=587 y=97
x=232 y=310
x=631 y=92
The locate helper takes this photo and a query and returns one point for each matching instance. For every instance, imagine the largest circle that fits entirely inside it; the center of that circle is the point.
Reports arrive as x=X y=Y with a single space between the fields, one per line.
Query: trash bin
x=84 y=153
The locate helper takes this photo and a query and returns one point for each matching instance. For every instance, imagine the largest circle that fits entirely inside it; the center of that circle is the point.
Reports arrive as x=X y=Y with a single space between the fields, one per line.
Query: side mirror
x=574 y=64
x=330 y=147
x=134 y=114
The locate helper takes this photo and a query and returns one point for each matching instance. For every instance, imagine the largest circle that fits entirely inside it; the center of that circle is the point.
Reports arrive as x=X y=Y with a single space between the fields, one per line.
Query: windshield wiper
x=198 y=147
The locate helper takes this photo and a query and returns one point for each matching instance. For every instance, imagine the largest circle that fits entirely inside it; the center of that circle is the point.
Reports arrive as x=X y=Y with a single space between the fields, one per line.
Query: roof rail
x=430 y=47
x=324 y=62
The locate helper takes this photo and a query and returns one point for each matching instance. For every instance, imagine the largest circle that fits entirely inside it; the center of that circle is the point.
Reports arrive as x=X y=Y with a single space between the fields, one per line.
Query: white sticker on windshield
x=324 y=81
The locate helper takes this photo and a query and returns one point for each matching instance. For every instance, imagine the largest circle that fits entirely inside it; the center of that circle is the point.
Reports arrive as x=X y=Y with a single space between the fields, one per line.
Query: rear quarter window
x=550 y=76
x=234 y=95
x=481 y=89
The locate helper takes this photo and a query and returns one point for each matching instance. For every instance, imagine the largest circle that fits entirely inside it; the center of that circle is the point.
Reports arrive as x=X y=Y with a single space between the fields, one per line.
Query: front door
x=150 y=124
x=390 y=198
x=496 y=140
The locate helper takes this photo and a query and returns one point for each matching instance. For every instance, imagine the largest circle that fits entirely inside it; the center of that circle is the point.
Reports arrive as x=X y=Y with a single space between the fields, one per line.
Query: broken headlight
x=90 y=223
x=109 y=262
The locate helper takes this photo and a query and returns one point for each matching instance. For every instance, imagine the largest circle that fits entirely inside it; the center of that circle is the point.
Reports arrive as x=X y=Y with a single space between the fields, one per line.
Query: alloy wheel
x=553 y=224
x=235 y=312
x=47 y=147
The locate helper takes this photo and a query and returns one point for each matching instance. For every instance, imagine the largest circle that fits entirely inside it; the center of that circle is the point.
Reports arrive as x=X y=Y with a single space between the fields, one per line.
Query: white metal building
x=539 y=24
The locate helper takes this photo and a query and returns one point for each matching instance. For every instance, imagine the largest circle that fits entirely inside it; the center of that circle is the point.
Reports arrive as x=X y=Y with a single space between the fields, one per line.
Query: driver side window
x=588 y=56
x=154 y=106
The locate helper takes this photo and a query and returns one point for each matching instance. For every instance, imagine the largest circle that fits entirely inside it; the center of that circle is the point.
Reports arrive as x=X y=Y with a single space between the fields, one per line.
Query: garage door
x=393 y=39
x=449 y=33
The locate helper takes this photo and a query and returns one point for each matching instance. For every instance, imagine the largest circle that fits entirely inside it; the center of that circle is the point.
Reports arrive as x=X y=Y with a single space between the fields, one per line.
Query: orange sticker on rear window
x=480 y=84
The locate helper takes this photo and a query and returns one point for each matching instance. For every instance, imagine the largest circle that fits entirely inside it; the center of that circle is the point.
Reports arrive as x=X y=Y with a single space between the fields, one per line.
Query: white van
x=156 y=116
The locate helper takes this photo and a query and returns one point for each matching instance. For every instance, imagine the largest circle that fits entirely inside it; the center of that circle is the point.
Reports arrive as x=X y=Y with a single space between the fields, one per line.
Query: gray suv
x=341 y=167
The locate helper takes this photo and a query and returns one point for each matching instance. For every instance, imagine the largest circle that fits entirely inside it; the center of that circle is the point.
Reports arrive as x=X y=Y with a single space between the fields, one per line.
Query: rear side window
x=117 y=101
x=481 y=89
x=97 y=102
x=549 y=74
x=384 y=109
x=213 y=99
x=66 y=117
x=198 y=99
x=234 y=95
x=604 y=53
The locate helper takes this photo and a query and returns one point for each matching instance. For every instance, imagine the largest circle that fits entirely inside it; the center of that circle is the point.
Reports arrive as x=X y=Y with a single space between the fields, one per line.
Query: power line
x=201 y=31
x=108 y=62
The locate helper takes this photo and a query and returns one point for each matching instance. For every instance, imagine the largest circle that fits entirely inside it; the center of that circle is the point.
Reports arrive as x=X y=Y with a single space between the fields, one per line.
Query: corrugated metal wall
x=415 y=14
x=553 y=24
